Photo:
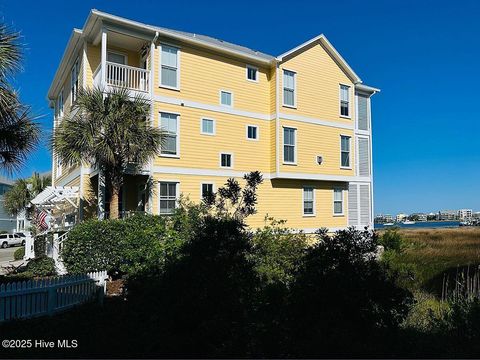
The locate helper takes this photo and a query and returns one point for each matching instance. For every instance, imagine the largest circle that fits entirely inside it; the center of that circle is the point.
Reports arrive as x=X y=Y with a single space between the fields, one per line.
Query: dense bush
x=19 y=253
x=41 y=267
x=39 y=245
x=126 y=246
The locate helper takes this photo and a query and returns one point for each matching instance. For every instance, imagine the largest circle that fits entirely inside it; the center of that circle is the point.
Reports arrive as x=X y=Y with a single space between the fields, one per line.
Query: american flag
x=39 y=219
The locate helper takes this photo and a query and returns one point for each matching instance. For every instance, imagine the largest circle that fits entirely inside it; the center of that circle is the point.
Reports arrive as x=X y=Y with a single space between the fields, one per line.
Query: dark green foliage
x=40 y=245
x=41 y=267
x=391 y=239
x=19 y=253
x=127 y=246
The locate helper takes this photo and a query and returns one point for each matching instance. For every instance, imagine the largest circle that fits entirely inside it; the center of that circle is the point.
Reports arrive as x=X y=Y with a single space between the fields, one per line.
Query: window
x=116 y=58
x=345 y=100
x=288 y=88
x=226 y=160
x=59 y=167
x=208 y=127
x=74 y=82
x=169 y=69
x=345 y=151
x=207 y=190
x=337 y=201
x=226 y=98
x=252 y=132
x=168 y=197
x=59 y=105
x=252 y=73
x=169 y=124
x=308 y=201
x=289 y=145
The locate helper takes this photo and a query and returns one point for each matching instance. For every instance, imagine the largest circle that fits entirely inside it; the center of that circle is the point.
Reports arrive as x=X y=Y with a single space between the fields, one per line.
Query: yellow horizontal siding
x=318 y=82
x=202 y=151
x=313 y=140
x=281 y=199
x=204 y=74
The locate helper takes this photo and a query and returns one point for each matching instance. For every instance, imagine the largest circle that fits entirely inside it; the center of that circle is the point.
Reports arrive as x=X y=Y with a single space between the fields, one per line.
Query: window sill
x=252 y=139
x=253 y=81
x=345 y=167
x=170 y=156
x=226 y=167
x=338 y=215
x=309 y=215
x=169 y=87
x=346 y=117
x=208 y=134
x=290 y=163
x=290 y=106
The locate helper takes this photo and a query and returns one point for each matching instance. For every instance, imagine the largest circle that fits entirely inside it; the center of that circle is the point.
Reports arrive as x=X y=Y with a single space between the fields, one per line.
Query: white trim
x=277 y=118
x=337 y=188
x=257 y=132
x=215 y=108
x=177 y=155
x=231 y=160
x=295 y=146
x=214 y=126
x=313 y=230
x=323 y=177
x=84 y=65
x=176 y=88
x=247 y=66
x=224 y=172
x=314 y=205
x=349 y=167
x=220 y=98
x=315 y=121
x=177 y=193
x=294 y=106
x=206 y=183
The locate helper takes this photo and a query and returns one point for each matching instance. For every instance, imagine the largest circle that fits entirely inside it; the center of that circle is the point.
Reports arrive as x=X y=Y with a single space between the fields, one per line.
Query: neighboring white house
x=465 y=214
x=401 y=217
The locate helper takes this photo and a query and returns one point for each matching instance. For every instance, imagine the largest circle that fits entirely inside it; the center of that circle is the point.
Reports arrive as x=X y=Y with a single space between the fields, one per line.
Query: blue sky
x=422 y=54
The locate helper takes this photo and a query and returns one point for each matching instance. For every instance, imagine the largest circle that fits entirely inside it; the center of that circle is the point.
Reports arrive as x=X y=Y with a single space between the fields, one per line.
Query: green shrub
x=19 y=253
x=391 y=240
x=40 y=267
x=277 y=252
x=94 y=245
x=39 y=245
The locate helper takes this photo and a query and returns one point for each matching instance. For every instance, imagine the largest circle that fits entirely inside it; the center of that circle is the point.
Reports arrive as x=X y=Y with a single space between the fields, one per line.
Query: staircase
x=56 y=252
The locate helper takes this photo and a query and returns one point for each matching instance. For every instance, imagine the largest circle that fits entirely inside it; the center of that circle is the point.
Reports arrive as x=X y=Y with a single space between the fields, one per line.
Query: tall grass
x=466 y=286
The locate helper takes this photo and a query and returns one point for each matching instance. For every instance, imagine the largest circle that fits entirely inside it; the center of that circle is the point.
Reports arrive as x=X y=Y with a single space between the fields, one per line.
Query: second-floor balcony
x=119 y=75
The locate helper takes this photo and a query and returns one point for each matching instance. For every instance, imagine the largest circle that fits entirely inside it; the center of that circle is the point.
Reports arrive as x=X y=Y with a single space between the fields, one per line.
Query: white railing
x=127 y=76
x=27 y=299
x=97 y=77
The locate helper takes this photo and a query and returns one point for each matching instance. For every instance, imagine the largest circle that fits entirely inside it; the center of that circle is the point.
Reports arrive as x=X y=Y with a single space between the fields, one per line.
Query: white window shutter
x=364 y=205
x=362 y=103
x=353 y=205
x=363 y=157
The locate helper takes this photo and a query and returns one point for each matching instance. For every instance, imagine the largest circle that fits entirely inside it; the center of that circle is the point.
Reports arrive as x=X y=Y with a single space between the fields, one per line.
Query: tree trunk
x=114 y=203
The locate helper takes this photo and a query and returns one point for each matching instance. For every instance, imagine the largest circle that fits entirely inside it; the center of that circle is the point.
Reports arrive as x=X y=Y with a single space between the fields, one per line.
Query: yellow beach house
x=303 y=119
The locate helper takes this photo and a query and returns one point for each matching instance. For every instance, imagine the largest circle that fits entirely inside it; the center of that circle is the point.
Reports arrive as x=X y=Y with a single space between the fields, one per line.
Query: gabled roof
x=330 y=49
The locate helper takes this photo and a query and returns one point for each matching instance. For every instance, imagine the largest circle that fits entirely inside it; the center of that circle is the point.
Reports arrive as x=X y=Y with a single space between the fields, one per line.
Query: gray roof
x=218 y=42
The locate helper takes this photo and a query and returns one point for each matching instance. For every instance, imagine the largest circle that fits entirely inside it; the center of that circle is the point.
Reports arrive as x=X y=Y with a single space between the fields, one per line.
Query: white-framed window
x=252 y=73
x=169 y=123
x=59 y=105
x=74 y=81
x=344 y=100
x=168 y=197
x=252 y=132
x=226 y=98
x=116 y=57
x=345 y=146
x=338 y=201
x=207 y=126
x=226 y=160
x=308 y=201
x=206 y=189
x=169 y=69
x=289 y=145
x=289 y=85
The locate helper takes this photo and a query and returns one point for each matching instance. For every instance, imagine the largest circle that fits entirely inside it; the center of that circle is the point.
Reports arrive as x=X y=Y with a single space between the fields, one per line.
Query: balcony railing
x=126 y=76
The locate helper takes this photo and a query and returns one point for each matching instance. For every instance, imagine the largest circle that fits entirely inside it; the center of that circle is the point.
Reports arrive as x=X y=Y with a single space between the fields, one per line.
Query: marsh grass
x=437 y=254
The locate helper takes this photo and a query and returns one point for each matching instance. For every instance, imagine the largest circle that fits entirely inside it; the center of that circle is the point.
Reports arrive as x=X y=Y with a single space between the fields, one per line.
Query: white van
x=7 y=240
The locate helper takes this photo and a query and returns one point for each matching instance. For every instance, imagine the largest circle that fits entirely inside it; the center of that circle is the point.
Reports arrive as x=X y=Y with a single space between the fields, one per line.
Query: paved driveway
x=6 y=256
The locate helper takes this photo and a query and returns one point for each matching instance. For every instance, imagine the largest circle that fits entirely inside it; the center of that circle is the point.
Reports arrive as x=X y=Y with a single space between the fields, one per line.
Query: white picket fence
x=27 y=299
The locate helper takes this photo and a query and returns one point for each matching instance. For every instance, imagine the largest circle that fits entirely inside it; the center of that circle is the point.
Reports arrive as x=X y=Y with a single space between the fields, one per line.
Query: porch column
x=104 y=56
x=101 y=195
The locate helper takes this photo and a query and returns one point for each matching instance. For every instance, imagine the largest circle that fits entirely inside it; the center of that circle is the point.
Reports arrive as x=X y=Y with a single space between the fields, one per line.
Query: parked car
x=7 y=240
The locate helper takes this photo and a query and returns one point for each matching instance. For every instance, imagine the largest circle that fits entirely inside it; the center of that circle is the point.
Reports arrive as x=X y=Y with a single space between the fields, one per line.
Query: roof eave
x=368 y=89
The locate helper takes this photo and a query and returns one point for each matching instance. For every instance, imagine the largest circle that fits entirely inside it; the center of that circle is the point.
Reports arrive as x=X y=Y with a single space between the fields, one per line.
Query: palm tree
x=109 y=131
x=19 y=133
x=18 y=197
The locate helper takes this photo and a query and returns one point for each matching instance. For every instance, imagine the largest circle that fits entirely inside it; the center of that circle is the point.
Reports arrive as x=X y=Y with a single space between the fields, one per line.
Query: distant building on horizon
x=447 y=215
x=401 y=217
x=383 y=218
x=419 y=216
x=465 y=214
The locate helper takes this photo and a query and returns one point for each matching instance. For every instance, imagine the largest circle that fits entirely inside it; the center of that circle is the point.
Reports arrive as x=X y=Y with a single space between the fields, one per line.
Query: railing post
x=104 y=57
